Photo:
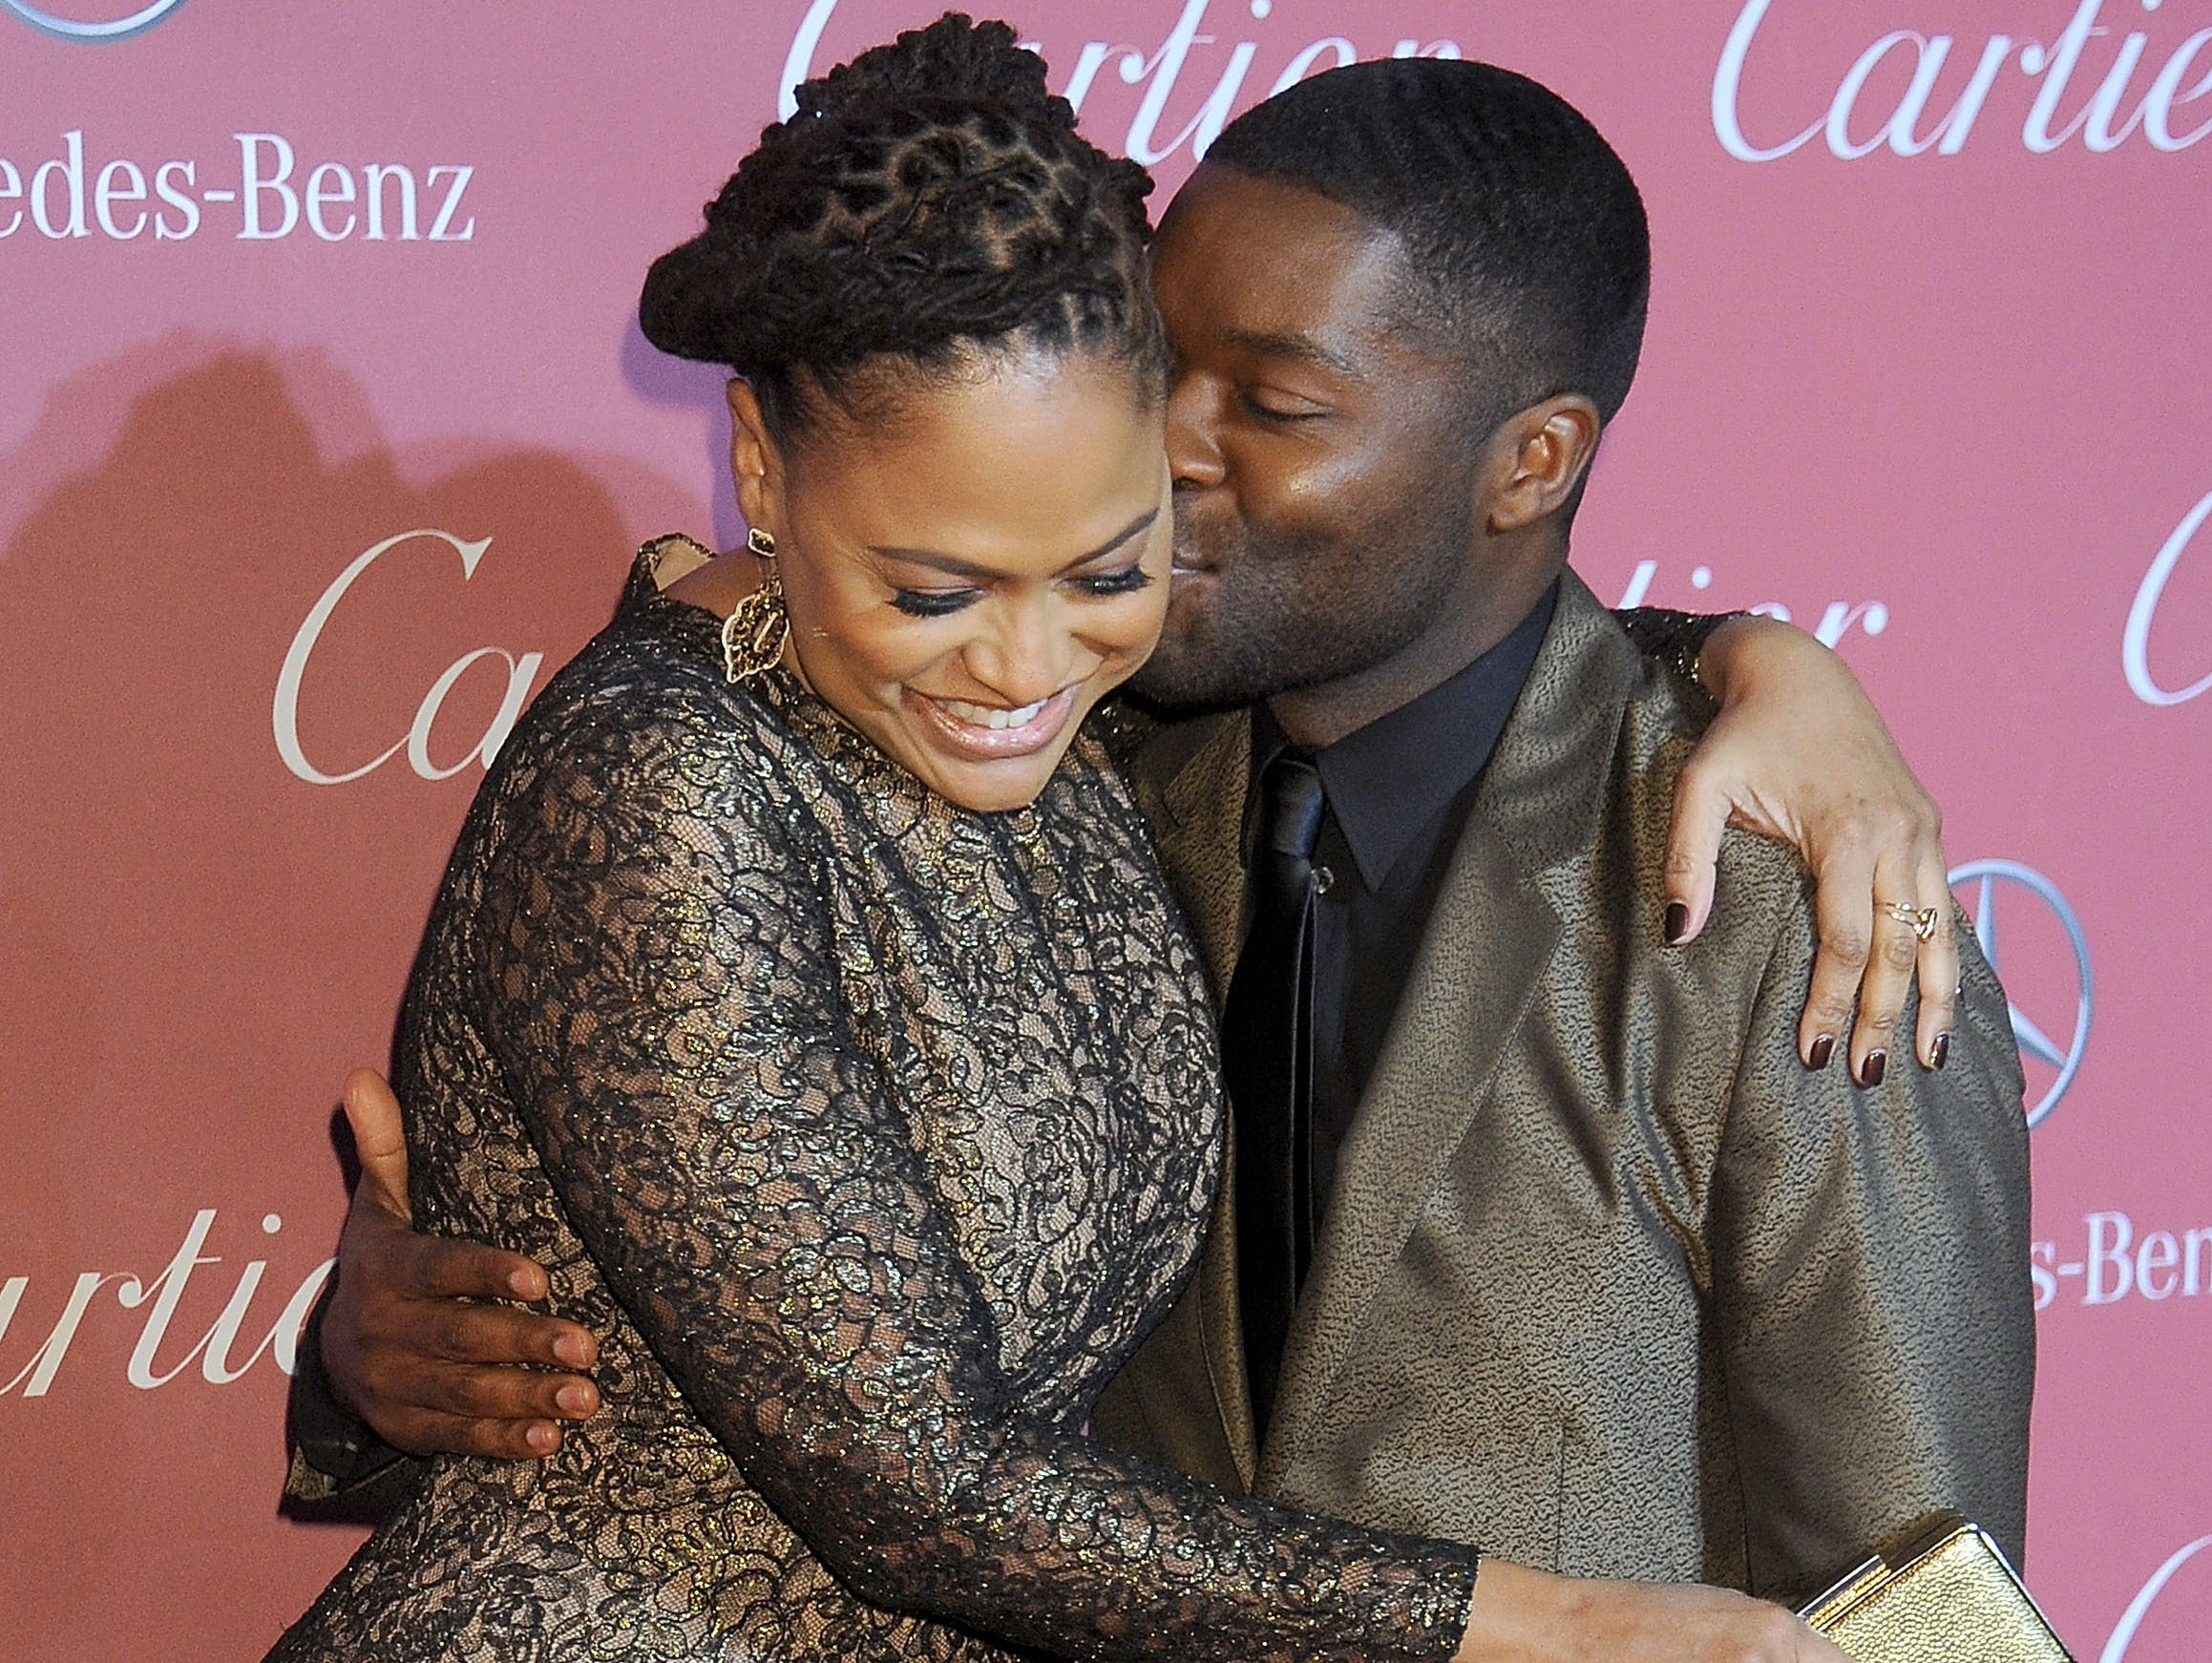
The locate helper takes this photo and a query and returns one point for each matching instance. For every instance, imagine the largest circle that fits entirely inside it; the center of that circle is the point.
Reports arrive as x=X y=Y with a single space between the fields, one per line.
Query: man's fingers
x=379 y=1139
x=428 y=1267
x=1843 y=912
x=479 y=1392
x=440 y=1434
x=1939 y=964
x=1700 y=815
x=459 y=1331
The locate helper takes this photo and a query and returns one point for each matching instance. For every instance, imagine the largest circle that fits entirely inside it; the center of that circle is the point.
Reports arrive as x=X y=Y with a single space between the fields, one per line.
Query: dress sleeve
x=657 y=964
x=1673 y=638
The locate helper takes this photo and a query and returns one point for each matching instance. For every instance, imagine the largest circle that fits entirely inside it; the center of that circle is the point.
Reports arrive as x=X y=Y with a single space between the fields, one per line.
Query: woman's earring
x=754 y=633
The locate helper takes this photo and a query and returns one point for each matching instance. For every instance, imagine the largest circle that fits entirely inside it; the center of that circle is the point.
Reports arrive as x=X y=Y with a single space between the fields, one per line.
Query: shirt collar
x=1387 y=781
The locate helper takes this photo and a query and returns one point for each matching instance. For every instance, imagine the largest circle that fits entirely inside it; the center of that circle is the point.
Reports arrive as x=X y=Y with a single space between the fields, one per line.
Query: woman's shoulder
x=638 y=674
x=648 y=696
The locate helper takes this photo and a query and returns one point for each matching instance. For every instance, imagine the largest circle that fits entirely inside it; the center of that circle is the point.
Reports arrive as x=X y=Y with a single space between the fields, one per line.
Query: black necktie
x=1267 y=1055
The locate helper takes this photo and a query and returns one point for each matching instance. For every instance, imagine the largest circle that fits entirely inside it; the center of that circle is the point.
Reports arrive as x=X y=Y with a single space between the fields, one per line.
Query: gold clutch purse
x=1947 y=1597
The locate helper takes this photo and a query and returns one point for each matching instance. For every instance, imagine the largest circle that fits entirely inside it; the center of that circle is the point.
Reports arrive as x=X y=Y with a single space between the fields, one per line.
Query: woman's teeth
x=990 y=716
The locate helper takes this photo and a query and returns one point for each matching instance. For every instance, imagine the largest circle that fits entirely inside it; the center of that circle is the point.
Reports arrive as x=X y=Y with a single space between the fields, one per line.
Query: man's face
x=1324 y=481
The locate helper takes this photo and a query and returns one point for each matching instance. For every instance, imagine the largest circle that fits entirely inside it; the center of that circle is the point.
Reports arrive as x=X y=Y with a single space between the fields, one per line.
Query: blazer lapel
x=1190 y=781
x=1487 y=944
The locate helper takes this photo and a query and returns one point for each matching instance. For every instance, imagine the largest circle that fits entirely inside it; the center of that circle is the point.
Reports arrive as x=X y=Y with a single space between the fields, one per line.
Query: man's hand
x=1800 y=754
x=409 y=1344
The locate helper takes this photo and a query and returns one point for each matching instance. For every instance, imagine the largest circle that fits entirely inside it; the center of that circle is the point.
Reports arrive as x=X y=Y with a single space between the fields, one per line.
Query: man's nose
x=1193 y=416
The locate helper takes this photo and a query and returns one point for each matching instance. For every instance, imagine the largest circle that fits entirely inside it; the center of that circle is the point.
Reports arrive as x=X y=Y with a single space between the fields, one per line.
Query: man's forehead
x=1278 y=267
x=1221 y=204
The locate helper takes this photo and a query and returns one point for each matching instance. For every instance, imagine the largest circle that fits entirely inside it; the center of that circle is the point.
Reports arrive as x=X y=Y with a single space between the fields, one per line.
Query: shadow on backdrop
x=195 y=942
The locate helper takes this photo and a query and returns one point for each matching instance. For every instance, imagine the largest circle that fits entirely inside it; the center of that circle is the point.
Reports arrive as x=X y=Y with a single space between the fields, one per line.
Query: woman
x=802 y=995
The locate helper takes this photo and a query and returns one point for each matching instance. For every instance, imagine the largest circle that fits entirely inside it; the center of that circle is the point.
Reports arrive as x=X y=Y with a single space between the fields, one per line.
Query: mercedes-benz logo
x=83 y=29
x=1981 y=881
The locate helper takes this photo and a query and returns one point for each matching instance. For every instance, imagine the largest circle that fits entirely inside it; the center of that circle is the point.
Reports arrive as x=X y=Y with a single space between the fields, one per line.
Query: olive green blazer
x=1611 y=1284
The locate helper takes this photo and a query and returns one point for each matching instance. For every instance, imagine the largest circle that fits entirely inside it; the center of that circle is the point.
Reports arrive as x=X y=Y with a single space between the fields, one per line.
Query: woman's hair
x=926 y=199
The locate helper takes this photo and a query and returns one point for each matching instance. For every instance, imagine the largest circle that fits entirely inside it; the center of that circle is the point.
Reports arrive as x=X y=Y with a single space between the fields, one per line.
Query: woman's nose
x=1028 y=653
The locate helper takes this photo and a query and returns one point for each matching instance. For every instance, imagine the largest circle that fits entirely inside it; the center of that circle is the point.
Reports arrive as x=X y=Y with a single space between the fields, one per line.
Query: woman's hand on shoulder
x=1799 y=753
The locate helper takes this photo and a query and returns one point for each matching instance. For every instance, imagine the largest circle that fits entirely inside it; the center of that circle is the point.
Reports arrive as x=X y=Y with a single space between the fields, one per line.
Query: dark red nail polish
x=1824 y=1048
x=1677 y=922
x=1871 y=1071
x=1939 y=1053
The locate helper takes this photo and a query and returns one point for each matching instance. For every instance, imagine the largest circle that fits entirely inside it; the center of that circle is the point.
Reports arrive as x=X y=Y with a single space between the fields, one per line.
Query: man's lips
x=991 y=732
x=1193 y=559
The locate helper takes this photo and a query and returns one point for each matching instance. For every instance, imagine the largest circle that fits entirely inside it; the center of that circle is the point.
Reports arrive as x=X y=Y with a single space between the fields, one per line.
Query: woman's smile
x=986 y=732
x=967 y=581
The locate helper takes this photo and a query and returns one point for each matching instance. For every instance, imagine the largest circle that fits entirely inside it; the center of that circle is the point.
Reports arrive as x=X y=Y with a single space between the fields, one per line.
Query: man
x=1535 y=1235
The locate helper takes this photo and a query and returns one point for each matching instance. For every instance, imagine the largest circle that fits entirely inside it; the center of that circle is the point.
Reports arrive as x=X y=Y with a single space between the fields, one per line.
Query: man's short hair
x=1524 y=238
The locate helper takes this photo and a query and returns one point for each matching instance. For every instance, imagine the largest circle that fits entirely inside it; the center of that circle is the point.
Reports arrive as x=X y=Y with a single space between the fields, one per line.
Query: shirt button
x=1325 y=880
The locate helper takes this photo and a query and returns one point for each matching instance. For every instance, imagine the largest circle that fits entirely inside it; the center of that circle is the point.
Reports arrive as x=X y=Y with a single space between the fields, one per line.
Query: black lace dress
x=871 y=1134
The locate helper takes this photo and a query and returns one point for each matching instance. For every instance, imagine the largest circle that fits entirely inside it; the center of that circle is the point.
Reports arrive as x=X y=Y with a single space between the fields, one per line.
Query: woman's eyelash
x=1126 y=581
x=943 y=602
x=931 y=602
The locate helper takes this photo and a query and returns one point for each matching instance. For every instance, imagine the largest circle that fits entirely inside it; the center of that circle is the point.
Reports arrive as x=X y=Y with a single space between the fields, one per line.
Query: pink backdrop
x=303 y=489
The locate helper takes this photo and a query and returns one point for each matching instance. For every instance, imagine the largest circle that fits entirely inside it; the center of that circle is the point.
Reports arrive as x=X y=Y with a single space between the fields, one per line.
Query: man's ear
x=1536 y=460
x=756 y=462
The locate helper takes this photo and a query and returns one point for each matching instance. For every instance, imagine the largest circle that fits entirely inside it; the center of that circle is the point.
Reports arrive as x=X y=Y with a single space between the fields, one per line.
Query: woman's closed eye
x=1125 y=580
x=933 y=603
x=943 y=602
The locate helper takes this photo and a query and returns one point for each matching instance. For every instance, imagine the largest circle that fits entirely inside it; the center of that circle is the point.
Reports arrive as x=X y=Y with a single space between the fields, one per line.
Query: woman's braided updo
x=927 y=199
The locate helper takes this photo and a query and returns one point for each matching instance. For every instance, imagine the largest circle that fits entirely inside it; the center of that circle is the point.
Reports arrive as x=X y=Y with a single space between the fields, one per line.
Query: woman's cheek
x=1129 y=639
x=893 y=649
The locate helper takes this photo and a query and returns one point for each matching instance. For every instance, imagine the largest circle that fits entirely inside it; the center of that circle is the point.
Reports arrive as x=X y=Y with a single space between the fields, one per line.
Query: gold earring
x=754 y=633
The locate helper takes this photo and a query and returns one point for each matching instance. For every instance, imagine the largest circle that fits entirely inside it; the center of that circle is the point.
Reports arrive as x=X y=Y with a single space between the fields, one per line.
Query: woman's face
x=967 y=577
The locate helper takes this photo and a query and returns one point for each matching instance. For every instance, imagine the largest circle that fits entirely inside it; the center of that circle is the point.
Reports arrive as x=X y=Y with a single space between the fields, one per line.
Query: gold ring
x=1922 y=919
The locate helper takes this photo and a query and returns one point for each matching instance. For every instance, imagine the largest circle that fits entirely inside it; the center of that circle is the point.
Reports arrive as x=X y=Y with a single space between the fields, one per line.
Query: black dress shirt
x=1398 y=790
